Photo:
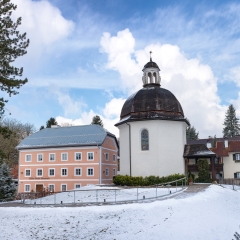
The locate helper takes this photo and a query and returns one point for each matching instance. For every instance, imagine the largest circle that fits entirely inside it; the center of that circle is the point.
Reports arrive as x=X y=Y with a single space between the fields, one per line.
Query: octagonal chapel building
x=152 y=129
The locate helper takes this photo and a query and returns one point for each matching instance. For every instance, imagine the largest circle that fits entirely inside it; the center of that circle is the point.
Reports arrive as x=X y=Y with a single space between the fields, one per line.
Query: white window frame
x=114 y=157
x=62 y=156
x=62 y=172
x=54 y=157
x=26 y=171
x=107 y=171
x=49 y=187
x=88 y=156
x=62 y=186
x=49 y=172
x=238 y=174
x=114 y=171
x=76 y=156
x=107 y=156
x=27 y=156
x=75 y=185
x=237 y=156
x=25 y=185
x=75 y=171
x=93 y=171
x=38 y=157
x=37 y=172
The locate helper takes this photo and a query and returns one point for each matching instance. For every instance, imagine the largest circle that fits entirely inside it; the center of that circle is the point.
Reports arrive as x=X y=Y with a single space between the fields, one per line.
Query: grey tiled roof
x=66 y=136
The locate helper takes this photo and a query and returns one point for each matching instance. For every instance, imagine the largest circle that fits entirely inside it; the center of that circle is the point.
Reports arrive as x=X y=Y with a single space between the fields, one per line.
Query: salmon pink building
x=64 y=158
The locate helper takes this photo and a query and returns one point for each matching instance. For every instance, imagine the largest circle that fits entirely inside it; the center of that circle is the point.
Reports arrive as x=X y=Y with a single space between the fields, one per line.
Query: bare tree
x=8 y=145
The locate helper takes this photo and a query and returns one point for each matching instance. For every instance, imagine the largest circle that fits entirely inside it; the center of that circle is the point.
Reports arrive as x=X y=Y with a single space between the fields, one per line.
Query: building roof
x=152 y=103
x=197 y=150
x=151 y=64
x=220 y=149
x=88 y=135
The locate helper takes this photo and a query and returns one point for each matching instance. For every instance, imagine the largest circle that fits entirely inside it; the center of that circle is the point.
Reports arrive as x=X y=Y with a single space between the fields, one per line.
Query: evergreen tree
x=97 y=120
x=231 y=124
x=13 y=44
x=191 y=133
x=203 y=171
x=7 y=186
x=50 y=122
x=41 y=128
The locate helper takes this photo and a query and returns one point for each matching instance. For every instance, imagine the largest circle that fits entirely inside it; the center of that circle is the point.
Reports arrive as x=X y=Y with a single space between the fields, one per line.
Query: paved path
x=191 y=190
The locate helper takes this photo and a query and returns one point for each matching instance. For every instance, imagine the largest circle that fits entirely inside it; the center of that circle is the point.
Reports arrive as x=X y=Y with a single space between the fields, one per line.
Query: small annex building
x=152 y=129
x=64 y=158
x=223 y=155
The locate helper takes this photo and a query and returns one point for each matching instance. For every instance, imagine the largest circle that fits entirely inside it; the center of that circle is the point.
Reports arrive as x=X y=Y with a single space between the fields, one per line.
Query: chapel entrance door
x=39 y=188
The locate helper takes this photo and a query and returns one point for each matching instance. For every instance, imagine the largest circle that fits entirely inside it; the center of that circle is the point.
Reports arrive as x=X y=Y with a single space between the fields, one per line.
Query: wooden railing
x=194 y=168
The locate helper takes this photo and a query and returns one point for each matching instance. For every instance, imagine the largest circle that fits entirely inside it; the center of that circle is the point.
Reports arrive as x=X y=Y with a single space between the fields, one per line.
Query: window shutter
x=235 y=175
x=234 y=156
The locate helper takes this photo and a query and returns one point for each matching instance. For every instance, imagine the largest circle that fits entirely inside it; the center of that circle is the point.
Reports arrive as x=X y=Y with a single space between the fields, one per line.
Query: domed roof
x=151 y=103
x=151 y=64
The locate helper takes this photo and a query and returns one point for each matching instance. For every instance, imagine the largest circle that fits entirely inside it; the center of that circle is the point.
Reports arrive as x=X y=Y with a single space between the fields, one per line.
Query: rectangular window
x=64 y=171
x=237 y=156
x=52 y=157
x=90 y=172
x=39 y=157
x=78 y=171
x=39 y=172
x=114 y=172
x=106 y=156
x=114 y=157
x=90 y=155
x=78 y=156
x=51 y=172
x=28 y=158
x=64 y=156
x=107 y=171
x=28 y=173
x=51 y=188
x=27 y=187
x=64 y=187
x=77 y=185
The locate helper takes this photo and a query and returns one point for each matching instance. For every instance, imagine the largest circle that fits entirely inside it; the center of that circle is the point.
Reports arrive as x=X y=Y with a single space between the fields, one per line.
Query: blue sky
x=85 y=58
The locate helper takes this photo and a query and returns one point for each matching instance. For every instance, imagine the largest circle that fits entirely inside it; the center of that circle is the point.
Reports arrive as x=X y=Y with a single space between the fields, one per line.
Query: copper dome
x=151 y=103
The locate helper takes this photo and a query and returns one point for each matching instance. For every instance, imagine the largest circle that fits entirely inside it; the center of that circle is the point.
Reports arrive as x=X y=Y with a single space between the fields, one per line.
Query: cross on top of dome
x=151 y=75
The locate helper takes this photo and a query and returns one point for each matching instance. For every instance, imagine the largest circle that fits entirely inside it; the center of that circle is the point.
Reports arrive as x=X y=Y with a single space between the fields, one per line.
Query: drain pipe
x=130 y=151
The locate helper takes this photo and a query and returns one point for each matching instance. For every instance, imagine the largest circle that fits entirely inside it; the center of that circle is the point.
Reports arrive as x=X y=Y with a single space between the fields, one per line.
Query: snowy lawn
x=211 y=214
x=98 y=194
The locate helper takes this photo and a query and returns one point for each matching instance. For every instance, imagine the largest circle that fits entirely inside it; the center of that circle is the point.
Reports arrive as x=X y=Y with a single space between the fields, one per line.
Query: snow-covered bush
x=7 y=186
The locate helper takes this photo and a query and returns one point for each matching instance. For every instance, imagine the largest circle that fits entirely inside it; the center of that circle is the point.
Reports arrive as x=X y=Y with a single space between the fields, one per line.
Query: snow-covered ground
x=93 y=193
x=210 y=214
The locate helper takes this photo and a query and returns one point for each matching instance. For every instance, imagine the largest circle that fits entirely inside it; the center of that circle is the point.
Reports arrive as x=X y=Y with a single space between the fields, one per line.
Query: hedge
x=145 y=181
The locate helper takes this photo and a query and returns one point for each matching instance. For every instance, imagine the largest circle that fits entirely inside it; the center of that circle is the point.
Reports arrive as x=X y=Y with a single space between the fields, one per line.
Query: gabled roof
x=197 y=150
x=220 y=149
x=88 y=135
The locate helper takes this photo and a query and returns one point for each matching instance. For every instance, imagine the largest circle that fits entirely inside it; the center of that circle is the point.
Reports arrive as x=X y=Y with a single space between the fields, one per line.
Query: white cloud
x=234 y=75
x=43 y=22
x=192 y=82
x=109 y=115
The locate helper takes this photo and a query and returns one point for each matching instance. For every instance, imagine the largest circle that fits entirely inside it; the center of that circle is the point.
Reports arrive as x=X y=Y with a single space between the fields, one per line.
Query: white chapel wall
x=166 y=146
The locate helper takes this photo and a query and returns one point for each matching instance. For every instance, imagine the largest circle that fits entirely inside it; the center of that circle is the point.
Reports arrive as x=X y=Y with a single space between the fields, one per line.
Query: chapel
x=152 y=129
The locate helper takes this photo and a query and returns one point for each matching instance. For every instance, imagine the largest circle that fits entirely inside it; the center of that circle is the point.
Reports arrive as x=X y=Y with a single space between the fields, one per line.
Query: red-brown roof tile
x=220 y=149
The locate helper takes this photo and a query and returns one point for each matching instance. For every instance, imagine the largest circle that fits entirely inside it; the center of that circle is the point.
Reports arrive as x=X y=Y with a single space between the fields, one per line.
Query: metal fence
x=105 y=195
x=234 y=182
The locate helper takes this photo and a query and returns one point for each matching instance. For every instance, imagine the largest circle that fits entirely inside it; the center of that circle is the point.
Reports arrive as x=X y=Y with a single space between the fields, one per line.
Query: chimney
x=226 y=143
x=209 y=144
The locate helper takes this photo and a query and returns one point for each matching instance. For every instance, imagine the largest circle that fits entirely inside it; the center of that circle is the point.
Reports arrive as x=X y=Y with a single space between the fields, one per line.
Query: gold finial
x=150 y=56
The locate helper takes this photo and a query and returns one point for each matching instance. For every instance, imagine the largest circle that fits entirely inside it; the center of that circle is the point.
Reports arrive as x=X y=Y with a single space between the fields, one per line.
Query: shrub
x=203 y=174
x=145 y=181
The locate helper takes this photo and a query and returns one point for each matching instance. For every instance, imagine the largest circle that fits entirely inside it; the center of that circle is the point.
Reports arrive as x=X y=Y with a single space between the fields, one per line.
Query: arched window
x=155 y=77
x=144 y=140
